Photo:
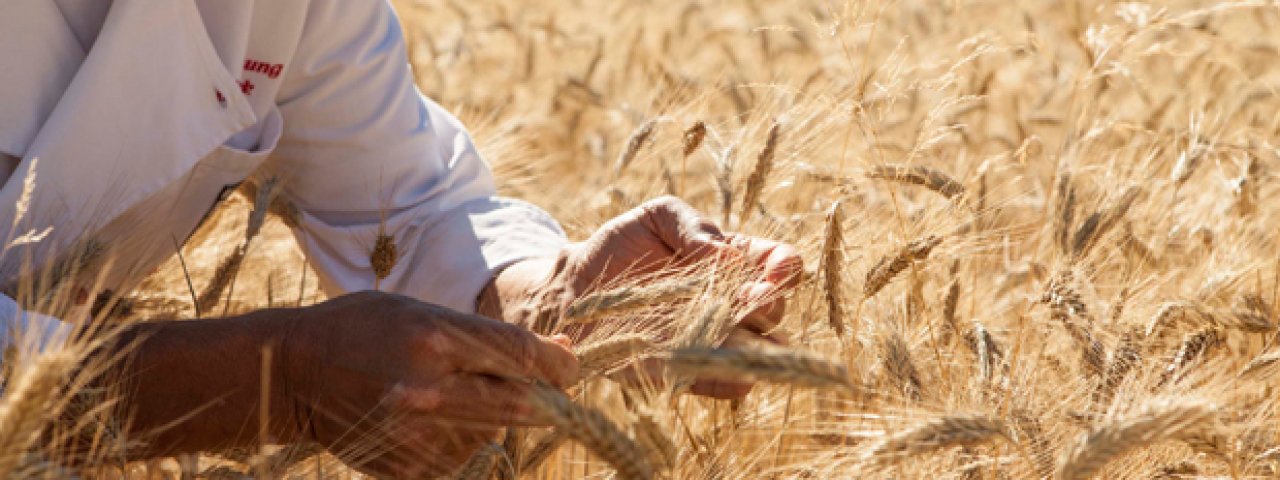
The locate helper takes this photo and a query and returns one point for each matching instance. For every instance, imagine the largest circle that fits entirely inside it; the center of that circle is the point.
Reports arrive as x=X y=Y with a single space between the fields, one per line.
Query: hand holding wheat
x=659 y=236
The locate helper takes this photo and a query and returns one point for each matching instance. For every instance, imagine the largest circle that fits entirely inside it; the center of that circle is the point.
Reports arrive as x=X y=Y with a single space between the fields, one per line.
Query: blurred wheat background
x=1040 y=237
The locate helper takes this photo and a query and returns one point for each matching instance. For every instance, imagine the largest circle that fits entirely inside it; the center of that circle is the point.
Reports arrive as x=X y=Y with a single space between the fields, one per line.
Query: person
x=123 y=121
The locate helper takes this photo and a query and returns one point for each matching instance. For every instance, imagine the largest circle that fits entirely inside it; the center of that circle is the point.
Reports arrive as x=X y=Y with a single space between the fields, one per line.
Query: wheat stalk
x=832 y=266
x=652 y=436
x=929 y=178
x=1194 y=347
x=764 y=164
x=1101 y=222
x=384 y=256
x=480 y=465
x=225 y=274
x=635 y=142
x=937 y=434
x=619 y=301
x=889 y=267
x=898 y=363
x=950 y=302
x=1261 y=367
x=985 y=349
x=693 y=137
x=1030 y=431
x=603 y=355
x=1158 y=420
x=222 y=278
x=772 y=366
x=1125 y=357
x=30 y=402
x=1066 y=196
x=542 y=450
x=594 y=431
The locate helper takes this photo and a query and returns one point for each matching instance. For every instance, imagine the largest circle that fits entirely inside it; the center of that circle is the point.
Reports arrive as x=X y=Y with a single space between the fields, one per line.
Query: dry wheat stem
x=635 y=142
x=890 y=266
x=480 y=465
x=594 y=431
x=724 y=182
x=1101 y=222
x=620 y=301
x=1066 y=198
x=1123 y=360
x=772 y=366
x=693 y=137
x=599 y=357
x=832 y=268
x=760 y=174
x=30 y=402
x=936 y=434
x=542 y=450
x=899 y=365
x=222 y=278
x=655 y=439
x=926 y=177
x=1261 y=367
x=1158 y=420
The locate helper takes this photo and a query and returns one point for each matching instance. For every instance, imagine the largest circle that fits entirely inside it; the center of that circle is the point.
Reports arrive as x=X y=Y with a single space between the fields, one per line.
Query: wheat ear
x=898 y=363
x=693 y=137
x=651 y=434
x=1101 y=222
x=764 y=164
x=832 y=268
x=30 y=403
x=635 y=142
x=1261 y=367
x=890 y=266
x=772 y=366
x=594 y=306
x=224 y=276
x=724 y=181
x=1158 y=420
x=601 y=356
x=937 y=434
x=480 y=465
x=919 y=175
x=594 y=431
x=542 y=450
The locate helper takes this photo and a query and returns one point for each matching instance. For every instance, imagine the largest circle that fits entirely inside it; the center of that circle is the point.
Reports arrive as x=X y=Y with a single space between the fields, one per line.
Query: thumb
x=678 y=225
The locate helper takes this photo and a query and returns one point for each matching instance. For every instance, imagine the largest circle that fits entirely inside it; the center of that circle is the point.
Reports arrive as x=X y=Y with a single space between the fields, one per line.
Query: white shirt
x=137 y=116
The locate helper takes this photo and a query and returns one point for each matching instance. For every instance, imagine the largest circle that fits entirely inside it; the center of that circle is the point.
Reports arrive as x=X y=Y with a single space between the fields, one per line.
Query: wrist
x=198 y=384
x=530 y=293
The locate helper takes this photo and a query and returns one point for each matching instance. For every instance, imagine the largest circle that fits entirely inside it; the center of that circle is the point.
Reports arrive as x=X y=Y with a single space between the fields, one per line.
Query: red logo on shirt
x=271 y=70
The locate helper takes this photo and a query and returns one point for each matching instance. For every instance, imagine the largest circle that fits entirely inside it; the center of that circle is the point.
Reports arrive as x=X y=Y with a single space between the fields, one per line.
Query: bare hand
x=400 y=388
x=650 y=239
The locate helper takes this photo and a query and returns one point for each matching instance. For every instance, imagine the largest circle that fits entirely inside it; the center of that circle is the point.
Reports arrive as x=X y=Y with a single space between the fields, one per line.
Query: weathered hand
x=658 y=234
x=400 y=388
x=393 y=386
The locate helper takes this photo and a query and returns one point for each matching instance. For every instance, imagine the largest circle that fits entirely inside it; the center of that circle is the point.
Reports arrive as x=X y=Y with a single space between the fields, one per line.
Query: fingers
x=720 y=389
x=469 y=400
x=779 y=263
x=764 y=306
x=488 y=347
x=678 y=225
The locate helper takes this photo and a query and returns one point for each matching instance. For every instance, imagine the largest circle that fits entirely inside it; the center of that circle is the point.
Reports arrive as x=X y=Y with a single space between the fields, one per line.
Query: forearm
x=529 y=293
x=186 y=386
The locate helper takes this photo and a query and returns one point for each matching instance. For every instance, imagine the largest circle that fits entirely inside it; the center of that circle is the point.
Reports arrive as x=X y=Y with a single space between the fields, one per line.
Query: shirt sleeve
x=28 y=331
x=363 y=154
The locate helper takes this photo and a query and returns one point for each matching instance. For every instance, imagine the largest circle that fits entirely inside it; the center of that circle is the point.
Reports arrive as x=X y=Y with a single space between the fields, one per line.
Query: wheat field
x=1038 y=236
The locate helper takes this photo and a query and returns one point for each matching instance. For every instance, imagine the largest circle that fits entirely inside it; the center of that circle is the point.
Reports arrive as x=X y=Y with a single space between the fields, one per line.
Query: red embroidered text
x=271 y=70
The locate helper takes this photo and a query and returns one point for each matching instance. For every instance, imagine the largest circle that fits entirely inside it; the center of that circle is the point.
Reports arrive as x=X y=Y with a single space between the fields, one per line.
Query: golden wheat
x=1158 y=420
